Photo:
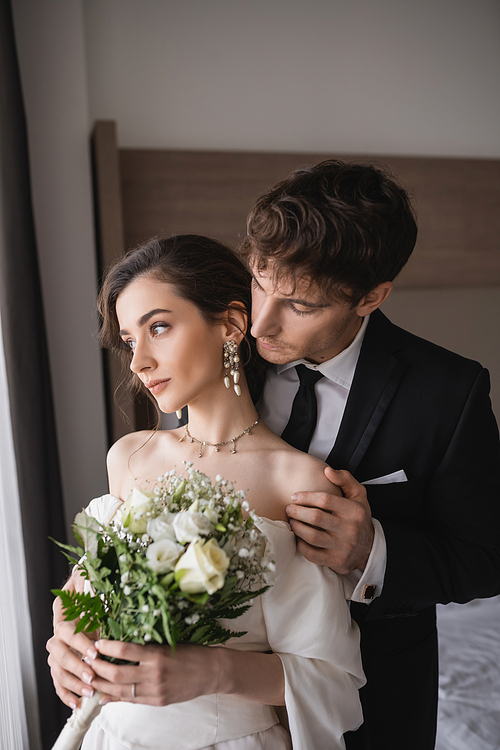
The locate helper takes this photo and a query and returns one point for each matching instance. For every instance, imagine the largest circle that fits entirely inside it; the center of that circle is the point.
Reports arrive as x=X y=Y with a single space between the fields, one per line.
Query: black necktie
x=302 y=422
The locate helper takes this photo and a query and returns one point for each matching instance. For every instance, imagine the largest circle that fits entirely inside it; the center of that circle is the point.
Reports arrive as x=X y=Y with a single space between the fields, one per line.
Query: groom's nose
x=265 y=317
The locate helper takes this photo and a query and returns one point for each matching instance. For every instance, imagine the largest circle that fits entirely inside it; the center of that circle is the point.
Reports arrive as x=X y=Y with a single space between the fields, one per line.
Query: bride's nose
x=141 y=359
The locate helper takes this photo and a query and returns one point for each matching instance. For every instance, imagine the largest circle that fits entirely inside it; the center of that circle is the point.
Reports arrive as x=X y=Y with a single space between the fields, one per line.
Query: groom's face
x=293 y=321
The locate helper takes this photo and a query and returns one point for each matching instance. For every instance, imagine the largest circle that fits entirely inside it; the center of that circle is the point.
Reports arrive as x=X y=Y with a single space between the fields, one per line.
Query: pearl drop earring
x=232 y=366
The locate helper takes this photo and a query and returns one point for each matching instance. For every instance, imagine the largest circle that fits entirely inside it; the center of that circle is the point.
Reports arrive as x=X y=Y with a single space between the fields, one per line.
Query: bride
x=177 y=309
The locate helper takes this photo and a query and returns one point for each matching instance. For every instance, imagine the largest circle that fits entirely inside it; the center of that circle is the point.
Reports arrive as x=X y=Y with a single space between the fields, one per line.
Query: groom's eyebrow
x=295 y=300
x=306 y=303
x=144 y=318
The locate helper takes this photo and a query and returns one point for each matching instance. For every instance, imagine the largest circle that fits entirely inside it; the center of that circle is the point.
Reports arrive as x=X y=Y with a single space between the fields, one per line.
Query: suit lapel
x=376 y=379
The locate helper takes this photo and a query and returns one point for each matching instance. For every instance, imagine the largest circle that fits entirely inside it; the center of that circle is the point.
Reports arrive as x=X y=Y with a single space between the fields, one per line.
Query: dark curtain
x=28 y=376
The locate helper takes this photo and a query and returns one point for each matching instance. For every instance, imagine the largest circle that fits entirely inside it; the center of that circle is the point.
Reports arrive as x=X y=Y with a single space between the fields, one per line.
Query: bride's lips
x=155 y=386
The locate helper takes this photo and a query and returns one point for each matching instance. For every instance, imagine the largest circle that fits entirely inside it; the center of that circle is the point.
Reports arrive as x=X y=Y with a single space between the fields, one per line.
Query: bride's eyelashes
x=155 y=329
x=159 y=327
x=128 y=344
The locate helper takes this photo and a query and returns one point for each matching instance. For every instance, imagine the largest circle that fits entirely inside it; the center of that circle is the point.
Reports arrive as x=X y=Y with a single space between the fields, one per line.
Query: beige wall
x=353 y=76
x=385 y=77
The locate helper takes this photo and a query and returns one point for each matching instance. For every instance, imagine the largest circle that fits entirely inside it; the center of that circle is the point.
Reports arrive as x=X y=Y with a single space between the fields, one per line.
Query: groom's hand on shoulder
x=334 y=528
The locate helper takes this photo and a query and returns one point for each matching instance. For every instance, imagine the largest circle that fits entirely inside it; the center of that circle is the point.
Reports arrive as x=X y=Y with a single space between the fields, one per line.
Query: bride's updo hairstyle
x=203 y=271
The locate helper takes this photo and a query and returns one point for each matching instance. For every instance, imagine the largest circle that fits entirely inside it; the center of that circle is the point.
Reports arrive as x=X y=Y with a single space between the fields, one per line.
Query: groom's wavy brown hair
x=344 y=227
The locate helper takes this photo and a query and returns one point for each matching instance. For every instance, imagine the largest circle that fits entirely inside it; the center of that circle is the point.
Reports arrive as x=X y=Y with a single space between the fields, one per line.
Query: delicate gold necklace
x=233 y=440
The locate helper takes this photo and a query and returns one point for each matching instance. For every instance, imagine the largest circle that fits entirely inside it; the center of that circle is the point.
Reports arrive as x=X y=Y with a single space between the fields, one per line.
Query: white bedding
x=469 y=676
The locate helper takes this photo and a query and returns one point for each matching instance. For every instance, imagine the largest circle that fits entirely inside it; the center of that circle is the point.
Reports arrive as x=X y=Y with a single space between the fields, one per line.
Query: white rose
x=212 y=515
x=163 y=555
x=190 y=525
x=161 y=527
x=135 y=509
x=204 y=566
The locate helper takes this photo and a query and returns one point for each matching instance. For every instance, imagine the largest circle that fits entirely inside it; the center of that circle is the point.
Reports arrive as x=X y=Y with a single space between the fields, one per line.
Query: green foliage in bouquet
x=170 y=565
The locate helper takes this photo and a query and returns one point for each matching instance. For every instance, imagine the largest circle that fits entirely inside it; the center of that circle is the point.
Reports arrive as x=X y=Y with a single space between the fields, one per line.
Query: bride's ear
x=236 y=321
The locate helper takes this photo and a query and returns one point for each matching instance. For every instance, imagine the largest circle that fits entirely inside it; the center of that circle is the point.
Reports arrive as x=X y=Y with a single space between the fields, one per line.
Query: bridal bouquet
x=170 y=564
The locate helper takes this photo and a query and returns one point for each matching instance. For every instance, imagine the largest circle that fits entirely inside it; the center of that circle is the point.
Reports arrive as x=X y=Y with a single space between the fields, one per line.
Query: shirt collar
x=340 y=369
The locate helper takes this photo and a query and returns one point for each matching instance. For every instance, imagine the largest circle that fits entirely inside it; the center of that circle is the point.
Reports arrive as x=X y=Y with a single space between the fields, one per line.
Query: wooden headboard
x=140 y=193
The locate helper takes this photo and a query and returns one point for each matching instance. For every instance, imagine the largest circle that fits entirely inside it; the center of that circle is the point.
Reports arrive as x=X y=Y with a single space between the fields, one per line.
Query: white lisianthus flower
x=190 y=525
x=161 y=527
x=103 y=508
x=204 y=566
x=135 y=509
x=163 y=555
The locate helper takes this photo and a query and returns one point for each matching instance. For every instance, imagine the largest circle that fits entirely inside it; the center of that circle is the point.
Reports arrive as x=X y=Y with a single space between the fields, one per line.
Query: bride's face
x=175 y=352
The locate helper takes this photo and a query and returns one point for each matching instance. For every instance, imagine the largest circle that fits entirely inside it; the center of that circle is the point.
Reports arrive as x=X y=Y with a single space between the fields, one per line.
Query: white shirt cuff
x=365 y=585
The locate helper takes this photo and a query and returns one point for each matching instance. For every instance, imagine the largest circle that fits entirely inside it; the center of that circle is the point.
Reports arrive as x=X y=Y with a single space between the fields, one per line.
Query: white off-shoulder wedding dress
x=303 y=618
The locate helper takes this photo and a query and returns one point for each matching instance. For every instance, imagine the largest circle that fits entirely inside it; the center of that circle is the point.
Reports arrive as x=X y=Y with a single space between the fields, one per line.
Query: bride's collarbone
x=262 y=466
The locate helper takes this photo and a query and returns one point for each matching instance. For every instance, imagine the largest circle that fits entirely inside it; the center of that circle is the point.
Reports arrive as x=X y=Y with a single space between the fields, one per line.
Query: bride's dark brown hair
x=204 y=271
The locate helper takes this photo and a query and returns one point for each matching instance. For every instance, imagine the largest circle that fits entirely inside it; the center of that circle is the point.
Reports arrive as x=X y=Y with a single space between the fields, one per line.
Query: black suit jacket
x=418 y=407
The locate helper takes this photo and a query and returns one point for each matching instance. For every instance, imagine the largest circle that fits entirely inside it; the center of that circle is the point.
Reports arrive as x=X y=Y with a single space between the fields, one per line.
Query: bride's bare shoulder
x=138 y=457
x=287 y=472
x=126 y=446
x=303 y=473
x=145 y=441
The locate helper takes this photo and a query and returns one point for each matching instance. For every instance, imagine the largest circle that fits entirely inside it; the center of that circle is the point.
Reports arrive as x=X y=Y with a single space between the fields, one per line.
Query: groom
x=409 y=420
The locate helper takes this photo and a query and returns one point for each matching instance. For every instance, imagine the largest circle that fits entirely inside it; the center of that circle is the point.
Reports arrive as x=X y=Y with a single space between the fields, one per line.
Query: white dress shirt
x=275 y=406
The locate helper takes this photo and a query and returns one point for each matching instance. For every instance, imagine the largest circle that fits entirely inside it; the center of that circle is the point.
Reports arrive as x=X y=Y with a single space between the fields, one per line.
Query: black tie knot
x=308 y=377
